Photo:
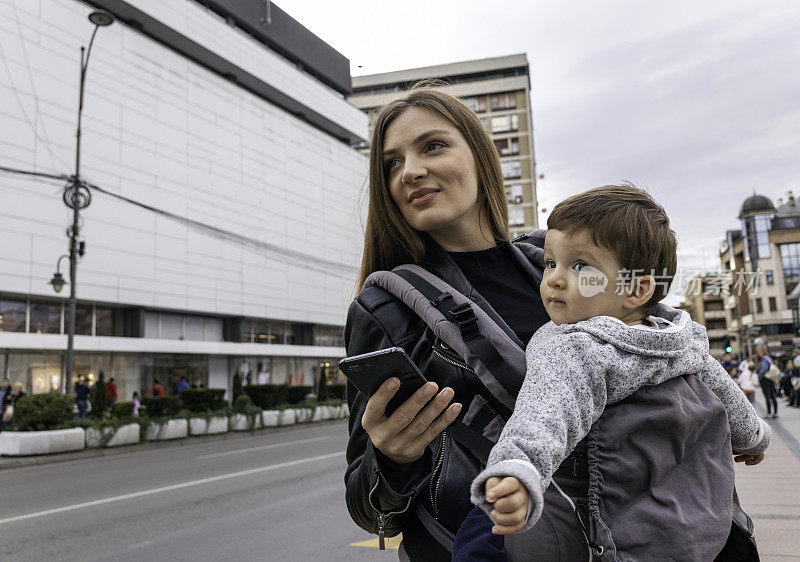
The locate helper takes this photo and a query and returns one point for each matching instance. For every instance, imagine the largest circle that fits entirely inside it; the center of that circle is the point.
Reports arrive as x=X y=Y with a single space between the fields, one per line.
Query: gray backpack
x=641 y=452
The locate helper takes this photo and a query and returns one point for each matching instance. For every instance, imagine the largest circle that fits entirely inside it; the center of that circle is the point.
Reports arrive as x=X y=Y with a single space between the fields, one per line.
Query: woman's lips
x=424 y=200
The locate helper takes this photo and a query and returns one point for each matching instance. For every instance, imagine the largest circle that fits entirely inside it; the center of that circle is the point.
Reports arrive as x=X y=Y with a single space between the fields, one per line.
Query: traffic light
x=728 y=347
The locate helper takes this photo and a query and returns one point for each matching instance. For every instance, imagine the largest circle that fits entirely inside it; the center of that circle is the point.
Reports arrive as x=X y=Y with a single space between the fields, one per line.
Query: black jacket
x=440 y=479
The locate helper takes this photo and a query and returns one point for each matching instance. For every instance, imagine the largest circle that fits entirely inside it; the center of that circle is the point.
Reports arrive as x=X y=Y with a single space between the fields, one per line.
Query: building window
x=45 y=318
x=514 y=194
x=103 y=321
x=773 y=304
x=475 y=103
x=759 y=306
x=516 y=217
x=12 y=315
x=505 y=123
x=762 y=223
x=507 y=147
x=503 y=101
x=83 y=320
x=512 y=169
x=332 y=336
x=768 y=274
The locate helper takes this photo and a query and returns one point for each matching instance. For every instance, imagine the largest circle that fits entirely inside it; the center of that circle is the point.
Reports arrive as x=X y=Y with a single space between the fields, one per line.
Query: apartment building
x=498 y=90
x=703 y=299
x=202 y=110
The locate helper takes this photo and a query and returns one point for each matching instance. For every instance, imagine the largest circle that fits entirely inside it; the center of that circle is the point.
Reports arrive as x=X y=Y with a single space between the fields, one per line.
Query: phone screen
x=369 y=371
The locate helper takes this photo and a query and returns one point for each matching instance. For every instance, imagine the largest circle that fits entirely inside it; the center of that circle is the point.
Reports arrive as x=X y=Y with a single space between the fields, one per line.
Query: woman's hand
x=402 y=437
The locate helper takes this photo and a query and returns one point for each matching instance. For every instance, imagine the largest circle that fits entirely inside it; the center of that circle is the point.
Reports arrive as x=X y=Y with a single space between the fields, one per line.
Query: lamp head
x=101 y=18
x=58 y=282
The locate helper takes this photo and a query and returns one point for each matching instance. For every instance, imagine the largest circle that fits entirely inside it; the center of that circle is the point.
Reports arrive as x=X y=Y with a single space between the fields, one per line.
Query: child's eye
x=579 y=265
x=550 y=264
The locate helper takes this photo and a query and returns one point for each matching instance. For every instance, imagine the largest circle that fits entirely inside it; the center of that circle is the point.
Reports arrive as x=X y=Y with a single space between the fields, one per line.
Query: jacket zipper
x=382 y=517
x=433 y=488
x=452 y=362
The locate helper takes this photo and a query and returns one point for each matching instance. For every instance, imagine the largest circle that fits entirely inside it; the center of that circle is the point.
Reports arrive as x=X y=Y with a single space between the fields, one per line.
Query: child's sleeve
x=750 y=434
x=561 y=397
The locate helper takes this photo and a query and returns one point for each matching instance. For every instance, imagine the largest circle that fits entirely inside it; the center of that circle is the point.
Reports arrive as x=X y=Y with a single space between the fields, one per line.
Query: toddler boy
x=610 y=257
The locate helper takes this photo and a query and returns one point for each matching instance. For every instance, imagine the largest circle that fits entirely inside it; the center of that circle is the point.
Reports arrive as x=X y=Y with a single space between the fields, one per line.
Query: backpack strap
x=463 y=326
x=463 y=315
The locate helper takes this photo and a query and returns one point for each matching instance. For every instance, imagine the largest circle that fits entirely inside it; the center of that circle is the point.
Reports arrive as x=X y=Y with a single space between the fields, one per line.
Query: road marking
x=262 y=447
x=392 y=543
x=168 y=488
x=772 y=516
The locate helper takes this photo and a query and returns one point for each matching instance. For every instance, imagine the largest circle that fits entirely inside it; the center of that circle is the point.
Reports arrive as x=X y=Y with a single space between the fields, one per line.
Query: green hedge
x=242 y=403
x=337 y=391
x=38 y=412
x=204 y=399
x=122 y=410
x=158 y=406
x=296 y=394
x=266 y=396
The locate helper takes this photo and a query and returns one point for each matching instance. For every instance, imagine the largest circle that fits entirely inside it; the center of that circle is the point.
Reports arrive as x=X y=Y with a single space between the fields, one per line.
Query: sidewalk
x=770 y=491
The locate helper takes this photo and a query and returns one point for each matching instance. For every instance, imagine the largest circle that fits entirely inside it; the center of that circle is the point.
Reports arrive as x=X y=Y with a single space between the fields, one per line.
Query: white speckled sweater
x=575 y=370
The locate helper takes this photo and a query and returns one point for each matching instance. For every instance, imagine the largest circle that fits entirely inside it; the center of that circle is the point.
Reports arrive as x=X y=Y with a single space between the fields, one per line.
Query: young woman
x=436 y=198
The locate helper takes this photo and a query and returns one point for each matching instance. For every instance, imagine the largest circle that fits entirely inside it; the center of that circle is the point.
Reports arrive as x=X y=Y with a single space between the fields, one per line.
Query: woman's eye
x=434 y=145
x=391 y=164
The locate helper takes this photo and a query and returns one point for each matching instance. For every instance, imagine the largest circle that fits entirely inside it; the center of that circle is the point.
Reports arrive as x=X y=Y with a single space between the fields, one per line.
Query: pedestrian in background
x=748 y=380
x=182 y=385
x=111 y=393
x=767 y=386
x=5 y=388
x=81 y=397
x=156 y=389
x=136 y=403
x=10 y=400
x=786 y=379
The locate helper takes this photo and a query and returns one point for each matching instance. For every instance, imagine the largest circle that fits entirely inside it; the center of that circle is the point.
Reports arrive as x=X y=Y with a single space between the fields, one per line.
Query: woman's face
x=431 y=176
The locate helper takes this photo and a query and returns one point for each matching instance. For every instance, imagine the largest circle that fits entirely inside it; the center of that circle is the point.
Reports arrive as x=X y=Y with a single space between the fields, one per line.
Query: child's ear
x=642 y=290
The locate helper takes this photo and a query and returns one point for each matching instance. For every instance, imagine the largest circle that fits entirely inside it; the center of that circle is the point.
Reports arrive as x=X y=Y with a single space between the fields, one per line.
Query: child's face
x=580 y=279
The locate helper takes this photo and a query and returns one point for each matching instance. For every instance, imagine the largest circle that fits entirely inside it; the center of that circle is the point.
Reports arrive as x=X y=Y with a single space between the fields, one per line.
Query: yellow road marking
x=392 y=543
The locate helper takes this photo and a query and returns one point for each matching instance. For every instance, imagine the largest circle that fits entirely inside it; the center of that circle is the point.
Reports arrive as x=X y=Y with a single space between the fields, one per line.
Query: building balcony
x=717 y=333
x=712 y=314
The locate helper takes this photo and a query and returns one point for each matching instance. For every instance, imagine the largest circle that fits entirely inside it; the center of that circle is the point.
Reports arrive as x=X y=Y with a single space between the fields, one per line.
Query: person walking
x=767 y=386
x=182 y=385
x=111 y=393
x=748 y=381
x=10 y=401
x=5 y=388
x=156 y=389
x=82 y=391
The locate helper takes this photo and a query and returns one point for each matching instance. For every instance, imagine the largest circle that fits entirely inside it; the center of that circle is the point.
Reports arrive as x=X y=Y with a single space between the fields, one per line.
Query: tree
x=99 y=399
x=237 y=390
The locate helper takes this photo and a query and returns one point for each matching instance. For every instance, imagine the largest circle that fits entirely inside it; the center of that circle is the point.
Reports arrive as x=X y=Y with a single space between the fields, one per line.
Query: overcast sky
x=697 y=101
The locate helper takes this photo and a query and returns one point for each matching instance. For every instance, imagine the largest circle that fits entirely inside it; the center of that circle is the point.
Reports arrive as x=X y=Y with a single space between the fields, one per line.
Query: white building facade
x=196 y=118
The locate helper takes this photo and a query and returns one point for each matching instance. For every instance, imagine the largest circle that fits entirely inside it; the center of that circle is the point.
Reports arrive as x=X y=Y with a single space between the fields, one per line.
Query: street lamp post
x=77 y=196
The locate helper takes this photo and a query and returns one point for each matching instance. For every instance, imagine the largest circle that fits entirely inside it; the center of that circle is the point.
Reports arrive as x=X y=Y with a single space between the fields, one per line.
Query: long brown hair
x=389 y=240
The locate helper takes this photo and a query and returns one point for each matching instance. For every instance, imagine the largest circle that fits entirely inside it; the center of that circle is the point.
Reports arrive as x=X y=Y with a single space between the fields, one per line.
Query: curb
x=7 y=463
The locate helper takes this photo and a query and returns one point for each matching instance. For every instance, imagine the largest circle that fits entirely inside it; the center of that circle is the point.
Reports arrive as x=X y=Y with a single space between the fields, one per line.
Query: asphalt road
x=275 y=495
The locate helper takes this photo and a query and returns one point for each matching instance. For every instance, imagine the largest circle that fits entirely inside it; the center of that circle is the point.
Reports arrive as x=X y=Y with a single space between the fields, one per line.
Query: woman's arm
x=388 y=458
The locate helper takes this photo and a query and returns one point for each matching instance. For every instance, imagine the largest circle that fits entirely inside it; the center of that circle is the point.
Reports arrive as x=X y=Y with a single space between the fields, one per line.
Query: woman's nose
x=413 y=171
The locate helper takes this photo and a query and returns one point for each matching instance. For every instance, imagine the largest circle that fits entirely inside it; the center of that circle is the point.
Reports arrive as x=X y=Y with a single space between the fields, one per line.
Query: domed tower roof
x=756 y=204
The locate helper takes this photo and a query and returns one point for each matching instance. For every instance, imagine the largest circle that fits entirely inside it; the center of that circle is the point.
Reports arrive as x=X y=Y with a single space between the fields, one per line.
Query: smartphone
x=370 y=370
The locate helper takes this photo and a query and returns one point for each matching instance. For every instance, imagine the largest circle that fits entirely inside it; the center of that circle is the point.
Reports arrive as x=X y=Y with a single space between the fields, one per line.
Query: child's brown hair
x=627 y=221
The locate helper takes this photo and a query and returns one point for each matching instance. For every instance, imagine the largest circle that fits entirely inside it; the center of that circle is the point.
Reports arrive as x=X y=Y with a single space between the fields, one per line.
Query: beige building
x=703 y=299
x=763 y=261
x=498 y=89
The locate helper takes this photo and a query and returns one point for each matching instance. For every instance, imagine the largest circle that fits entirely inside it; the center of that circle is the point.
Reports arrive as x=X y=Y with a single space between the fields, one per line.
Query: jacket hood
x=682 y=337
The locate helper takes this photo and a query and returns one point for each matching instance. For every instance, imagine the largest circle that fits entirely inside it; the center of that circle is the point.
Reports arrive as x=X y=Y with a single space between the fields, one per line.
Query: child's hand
x=510 y=499
x=749 y=460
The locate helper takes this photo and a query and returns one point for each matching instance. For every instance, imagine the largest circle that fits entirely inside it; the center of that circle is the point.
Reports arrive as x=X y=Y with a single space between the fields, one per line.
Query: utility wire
x=291 y=256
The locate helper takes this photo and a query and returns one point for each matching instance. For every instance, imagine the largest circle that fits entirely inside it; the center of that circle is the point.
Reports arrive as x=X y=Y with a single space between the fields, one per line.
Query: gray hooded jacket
x=574 y=371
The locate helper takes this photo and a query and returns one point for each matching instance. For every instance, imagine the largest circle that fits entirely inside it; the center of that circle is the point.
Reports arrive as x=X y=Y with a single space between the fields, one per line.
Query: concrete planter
x=287 y=417
x=201 y=426
x=322 y=413
x=172 y=429
x=270 y=418
x=125 y=435
x=303 y=415
x=239 y=422
x=16 y=443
